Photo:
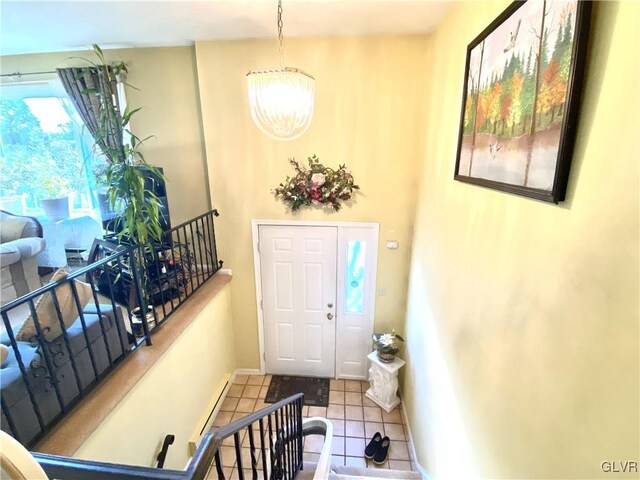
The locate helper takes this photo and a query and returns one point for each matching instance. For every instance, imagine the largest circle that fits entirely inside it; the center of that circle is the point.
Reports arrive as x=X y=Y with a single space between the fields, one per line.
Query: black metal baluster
x=23 y=370
x=7 y=415
x=141 y=302
x=252 y=450
x=287 y=416
x=215 y=246
x=194 y=239
x=299 y=434
x=104 y=332
x=219 y=466
x=156 y=259
x=72 y=357
x=170 y=268
x=189 y=254
x=209 y=245
x=282 y=453
x=107 y=271
x=120 y=277
x=292 y=439
x=262 y=450
x=205 y=242
x=184 y=279
x=74 y=290
x=236 y=439
x=42 y=341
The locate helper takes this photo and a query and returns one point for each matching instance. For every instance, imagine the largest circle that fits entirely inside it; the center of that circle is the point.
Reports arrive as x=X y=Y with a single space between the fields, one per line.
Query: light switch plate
x=392 y=245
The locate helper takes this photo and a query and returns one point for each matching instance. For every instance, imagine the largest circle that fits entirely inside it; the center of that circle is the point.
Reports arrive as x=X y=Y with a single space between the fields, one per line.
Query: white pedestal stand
x=383 y=378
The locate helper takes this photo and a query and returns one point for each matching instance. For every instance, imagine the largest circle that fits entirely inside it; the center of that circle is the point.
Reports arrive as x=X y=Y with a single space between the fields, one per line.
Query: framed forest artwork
x=523 y=80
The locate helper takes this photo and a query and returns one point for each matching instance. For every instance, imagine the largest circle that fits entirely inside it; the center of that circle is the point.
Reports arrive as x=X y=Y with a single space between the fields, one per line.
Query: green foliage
x=316 y=185
x=37 y=163
x=140 y=219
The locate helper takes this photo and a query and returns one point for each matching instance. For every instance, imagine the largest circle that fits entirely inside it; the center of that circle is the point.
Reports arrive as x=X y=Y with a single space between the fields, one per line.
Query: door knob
x=330 y=305
x=330 y=316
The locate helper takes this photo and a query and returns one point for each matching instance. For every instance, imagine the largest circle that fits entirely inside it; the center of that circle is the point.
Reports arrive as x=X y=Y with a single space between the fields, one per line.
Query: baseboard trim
x=412 y=446
x=246 y=371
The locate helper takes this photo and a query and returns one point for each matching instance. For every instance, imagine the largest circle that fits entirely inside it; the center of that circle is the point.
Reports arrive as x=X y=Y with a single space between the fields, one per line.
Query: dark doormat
x=316 y=390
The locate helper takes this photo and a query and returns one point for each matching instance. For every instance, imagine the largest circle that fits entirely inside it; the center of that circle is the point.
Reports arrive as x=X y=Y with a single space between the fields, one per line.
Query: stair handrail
x=67 y=468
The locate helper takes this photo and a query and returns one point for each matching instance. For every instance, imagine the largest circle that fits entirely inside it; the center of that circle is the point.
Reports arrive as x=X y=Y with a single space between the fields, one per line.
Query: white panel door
x=298 y=269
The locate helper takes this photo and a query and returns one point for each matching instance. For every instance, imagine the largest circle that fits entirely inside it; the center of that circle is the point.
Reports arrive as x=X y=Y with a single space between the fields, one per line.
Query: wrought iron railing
x=81 y=326
x=275 y=442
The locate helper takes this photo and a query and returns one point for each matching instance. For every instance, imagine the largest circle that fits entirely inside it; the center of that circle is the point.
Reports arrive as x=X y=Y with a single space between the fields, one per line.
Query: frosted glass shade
x=281 y=101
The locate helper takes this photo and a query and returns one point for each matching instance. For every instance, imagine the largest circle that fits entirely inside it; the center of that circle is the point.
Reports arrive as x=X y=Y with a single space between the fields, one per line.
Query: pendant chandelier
x=281 y=100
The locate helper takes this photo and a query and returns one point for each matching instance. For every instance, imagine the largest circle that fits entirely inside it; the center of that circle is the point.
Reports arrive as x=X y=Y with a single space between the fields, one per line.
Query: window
x=45 y=152
x=354 y=294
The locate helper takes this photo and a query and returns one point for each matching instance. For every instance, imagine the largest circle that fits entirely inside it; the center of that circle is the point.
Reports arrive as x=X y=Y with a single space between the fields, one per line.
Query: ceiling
x=36 y=26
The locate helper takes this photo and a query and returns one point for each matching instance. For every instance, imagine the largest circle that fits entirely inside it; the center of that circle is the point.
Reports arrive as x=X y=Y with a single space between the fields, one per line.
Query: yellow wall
x=168 y=93
x=172 y=397
x=366 y=116
x=522 y=323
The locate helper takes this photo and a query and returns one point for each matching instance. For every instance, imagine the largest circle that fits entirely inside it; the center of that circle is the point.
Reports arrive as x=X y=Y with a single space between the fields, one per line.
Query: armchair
x=20 y=243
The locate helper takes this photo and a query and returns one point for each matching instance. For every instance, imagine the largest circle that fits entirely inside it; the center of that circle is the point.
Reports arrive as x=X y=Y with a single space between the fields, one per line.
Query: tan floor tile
x=372 y=414
x=305 y=411
x=354 y=429
x=246 y=459
x=336 y=397
x=239 y=415
x=246 y=405
x=364 y=386
x=394 y=417
x=399 y=451
x=359 y=462
x=394 y=431
x=310 y=458
x=318 y=412
x=352 y=386
x=400 y=465
x=223 y=418
x=367 y=402
x=266 y=380
x=335 y=411
x=353 y=398
x=228 y=456
x=338 y=427
x=235 y=391
x=354 y=446
x=313 y=443
x=337 y=385
x=337 y=460
x=263 y=392
x=260 y=405
x=353 y=413
x=241 y=379
x=251 y=391
x=255 y=380
x=370 y=429
x=337 y=445
x=229 y=404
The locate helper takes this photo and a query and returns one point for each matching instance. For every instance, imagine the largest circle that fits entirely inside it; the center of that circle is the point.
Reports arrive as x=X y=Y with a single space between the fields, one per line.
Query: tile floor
x=355 y=420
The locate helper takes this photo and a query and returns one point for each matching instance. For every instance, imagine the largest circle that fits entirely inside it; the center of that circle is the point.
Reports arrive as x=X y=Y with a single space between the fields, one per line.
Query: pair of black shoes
x=378 y=449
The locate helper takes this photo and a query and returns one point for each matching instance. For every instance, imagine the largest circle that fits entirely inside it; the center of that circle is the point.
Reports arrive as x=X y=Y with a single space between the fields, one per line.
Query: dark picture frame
x=516 y=63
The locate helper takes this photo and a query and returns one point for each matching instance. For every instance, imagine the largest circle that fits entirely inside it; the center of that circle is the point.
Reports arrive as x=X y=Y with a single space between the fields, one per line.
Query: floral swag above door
x=316 y=185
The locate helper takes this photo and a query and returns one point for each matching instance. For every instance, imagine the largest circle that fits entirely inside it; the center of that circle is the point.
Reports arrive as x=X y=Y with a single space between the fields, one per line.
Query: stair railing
x=267 y=444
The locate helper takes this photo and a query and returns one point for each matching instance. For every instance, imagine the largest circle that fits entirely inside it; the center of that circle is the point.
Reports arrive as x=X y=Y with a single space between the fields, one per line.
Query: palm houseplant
x=139 y=220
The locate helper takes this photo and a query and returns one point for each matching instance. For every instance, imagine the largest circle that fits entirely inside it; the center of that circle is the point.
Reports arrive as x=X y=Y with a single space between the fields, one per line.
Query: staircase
x=274 y=435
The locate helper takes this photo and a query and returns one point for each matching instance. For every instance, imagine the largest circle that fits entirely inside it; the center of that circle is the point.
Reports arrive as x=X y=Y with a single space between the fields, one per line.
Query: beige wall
x=522 y=323
x=168 y=93
x=366 y=116
x=173 y=395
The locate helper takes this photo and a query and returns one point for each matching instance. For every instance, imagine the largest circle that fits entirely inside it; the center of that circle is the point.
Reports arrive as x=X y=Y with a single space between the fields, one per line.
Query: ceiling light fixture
x=281 y=100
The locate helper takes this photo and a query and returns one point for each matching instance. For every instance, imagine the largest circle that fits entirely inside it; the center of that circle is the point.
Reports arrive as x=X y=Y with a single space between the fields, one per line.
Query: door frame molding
x=257 y=269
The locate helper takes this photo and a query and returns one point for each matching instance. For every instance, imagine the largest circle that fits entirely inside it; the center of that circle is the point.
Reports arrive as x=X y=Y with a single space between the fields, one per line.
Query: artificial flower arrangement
x=386 y=346
x=316 y=185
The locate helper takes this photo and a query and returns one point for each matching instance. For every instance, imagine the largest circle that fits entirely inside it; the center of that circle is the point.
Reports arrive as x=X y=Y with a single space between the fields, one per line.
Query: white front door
x=298 y=269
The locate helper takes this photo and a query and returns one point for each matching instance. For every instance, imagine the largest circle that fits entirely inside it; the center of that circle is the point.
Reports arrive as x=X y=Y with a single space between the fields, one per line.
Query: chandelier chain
x=280 y=37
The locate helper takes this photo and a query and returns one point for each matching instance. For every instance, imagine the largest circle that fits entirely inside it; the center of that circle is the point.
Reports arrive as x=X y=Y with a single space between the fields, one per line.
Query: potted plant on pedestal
x=386 y=345
x=54 y=198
